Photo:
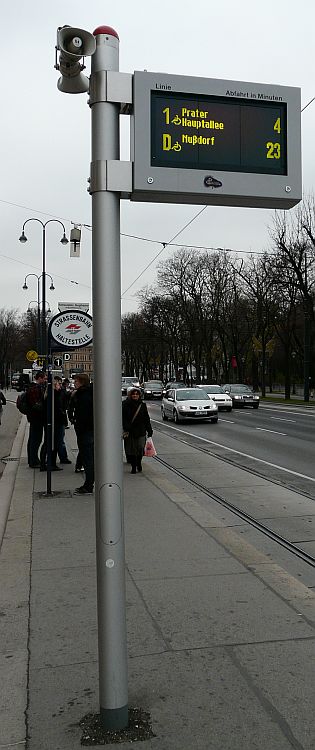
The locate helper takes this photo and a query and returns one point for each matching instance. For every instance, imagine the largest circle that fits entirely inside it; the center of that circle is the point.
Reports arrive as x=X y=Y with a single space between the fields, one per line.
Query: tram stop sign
x=71 y=329
x=209 y=141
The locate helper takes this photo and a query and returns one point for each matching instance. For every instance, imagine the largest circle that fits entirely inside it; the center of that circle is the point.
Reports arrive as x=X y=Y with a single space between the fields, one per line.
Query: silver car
x=126 y=382
x=216 y=392
x=188 y=403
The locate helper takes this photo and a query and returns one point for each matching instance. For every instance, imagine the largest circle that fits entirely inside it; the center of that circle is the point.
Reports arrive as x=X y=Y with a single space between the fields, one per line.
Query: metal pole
x=112 y=636
x=43 y=343
x=307 y=338
x=38 y=317
x=49 y=426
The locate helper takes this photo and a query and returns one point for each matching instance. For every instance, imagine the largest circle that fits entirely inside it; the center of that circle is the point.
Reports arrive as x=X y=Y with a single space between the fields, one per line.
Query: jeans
x=43 y=450
x=61 y=446
x=34 y=440
x=86 y=450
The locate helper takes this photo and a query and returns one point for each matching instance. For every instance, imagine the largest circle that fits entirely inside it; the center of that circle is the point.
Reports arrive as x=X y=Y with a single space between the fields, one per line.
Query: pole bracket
x=112 y=86
x=111 y=175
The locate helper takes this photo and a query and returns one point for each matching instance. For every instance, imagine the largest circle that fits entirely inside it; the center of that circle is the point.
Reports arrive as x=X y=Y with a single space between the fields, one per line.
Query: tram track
x=216 y=497
x=233 y=462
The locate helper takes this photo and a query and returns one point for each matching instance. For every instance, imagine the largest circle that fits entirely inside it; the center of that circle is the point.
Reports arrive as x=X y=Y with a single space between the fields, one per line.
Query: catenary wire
x=164 y=244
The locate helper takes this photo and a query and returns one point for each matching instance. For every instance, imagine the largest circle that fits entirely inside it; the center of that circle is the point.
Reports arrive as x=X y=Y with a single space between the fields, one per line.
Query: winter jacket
x=141 y=424
x=81 y=409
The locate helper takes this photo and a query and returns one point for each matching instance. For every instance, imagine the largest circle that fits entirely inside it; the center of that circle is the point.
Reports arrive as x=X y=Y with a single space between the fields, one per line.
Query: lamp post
x=64 y=241
x=40 y=344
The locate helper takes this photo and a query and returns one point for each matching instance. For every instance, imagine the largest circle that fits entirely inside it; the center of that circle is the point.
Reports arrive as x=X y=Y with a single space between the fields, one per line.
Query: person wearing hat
x=136 y=426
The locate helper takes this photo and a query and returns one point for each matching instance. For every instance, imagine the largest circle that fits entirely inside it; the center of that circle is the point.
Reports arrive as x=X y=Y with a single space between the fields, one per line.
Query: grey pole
x=44 y=347
x=110 y=552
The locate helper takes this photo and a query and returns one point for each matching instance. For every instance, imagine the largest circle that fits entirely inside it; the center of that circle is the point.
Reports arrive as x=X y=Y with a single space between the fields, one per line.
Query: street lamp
x=40 y=345
x=64 y=241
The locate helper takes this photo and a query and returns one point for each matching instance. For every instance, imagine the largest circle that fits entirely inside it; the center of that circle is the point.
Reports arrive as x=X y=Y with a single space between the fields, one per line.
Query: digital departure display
x=212 y=132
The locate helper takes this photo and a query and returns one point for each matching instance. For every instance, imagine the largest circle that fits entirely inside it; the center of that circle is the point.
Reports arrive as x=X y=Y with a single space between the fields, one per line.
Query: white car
x=216 y=392
x=188 y=403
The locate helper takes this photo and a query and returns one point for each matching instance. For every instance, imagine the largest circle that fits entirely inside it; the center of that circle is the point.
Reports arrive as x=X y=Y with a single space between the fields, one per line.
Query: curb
x=9 y=476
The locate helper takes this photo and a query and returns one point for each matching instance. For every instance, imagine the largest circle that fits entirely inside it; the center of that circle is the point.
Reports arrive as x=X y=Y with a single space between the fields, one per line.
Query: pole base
x=114 y=718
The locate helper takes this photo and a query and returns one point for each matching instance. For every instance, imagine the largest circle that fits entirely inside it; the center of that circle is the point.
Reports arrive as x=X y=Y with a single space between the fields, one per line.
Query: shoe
x=133 y=471
x=43 y=468
x=139 y=468
x=66 y=461
x=56 y=468
x=77 y=471
x=34 y=466
x=83 y=491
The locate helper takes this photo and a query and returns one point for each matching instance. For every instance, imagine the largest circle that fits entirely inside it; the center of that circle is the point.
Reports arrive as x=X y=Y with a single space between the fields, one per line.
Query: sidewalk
x=220 y=637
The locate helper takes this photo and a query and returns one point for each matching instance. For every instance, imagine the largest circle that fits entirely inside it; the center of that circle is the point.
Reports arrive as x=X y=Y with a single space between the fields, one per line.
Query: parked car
x=242 y=395
x=188 y=403
x=126 y=382
x=223 y=400
x=152 y=389
x=172 y=384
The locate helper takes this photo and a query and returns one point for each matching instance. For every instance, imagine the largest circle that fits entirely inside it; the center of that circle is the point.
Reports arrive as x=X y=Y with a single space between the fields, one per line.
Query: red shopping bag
x=149 y=449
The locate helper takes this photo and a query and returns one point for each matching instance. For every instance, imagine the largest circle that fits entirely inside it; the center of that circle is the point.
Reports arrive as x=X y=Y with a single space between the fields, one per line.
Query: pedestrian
x=84 y=427
x=63 y=401
x=60 y=419
x=3 y=402
x=71 y=410
x=136 y=426
x=35 y=416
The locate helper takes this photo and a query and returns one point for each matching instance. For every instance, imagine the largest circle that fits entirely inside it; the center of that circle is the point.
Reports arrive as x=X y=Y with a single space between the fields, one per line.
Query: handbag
x=149 y=449
x=125 y=433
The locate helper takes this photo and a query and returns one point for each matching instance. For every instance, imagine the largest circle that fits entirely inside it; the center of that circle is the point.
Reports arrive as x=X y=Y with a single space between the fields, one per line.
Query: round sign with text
x=72 y=329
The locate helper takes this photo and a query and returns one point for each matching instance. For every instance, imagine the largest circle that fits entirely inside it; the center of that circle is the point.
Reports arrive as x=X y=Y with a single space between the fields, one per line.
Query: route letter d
x=167 y=142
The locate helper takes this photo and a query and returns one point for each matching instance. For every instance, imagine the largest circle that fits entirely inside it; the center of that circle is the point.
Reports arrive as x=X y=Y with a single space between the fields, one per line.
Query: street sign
x=58 y=362
x=70 y=330
x=212 y=141
x=31 y=355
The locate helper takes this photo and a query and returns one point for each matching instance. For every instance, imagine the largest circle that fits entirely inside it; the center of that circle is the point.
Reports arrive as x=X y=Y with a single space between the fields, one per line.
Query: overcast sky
x=45 y=135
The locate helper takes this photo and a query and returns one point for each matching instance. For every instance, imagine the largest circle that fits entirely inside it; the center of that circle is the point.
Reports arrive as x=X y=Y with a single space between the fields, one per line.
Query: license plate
x=198 y=413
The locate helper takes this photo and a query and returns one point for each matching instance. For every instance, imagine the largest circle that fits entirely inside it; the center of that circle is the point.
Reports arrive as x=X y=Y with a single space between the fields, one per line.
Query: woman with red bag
x=136 y=426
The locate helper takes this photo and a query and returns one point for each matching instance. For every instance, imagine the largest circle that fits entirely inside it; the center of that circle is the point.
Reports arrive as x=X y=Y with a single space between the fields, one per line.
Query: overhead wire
x=164 y=244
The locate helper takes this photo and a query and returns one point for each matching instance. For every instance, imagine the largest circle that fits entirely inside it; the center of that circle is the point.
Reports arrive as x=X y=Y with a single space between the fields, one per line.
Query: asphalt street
x=275 y=440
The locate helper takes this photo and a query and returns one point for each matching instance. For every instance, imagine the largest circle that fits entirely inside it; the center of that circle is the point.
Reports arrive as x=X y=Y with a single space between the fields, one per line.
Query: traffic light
x=73 y=44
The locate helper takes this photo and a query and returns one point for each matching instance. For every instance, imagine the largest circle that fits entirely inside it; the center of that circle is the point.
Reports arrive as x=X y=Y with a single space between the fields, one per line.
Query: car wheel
x=230 y=408
x=255 y=406
x=214 y=420
x=164 y=417
x=176 y=417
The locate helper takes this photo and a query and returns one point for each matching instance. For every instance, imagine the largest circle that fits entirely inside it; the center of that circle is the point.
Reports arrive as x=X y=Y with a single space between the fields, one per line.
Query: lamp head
x=25 y=285
x=23 y=238
x=64 y=240
x=52 y=286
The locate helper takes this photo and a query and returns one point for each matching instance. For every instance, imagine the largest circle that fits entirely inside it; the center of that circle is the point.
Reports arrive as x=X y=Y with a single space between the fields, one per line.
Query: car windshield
x=128 y=380
x=191 y=394
x=212 y=389
x=241 y=389
x=153 y=384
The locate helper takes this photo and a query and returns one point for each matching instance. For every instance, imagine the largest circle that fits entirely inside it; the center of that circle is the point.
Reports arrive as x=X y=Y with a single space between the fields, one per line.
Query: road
x=9 y=426
x=276 y=441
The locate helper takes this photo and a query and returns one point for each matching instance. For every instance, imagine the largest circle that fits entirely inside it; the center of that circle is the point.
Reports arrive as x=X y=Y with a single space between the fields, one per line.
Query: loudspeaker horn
x=73 y=44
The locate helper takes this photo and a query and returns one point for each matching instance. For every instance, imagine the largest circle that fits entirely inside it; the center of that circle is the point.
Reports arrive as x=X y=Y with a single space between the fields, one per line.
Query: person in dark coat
x=60 y=420
x=3 y=402
x=136 y=422
x=35 y=416
x=84 y=427
x=63 y=402
x=71 y=413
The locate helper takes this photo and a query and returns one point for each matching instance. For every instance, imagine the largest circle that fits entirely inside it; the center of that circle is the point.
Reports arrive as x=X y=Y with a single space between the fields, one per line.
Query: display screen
x=190 y=131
